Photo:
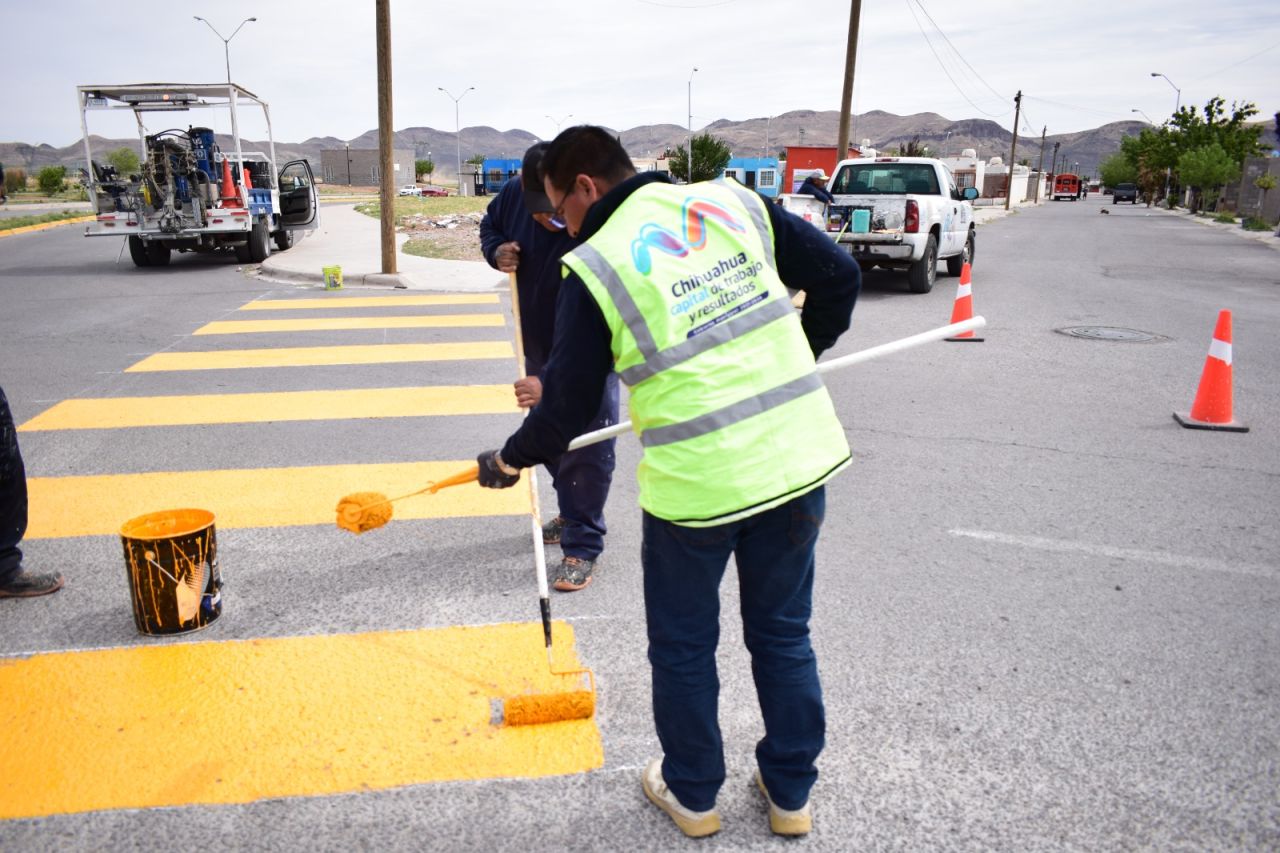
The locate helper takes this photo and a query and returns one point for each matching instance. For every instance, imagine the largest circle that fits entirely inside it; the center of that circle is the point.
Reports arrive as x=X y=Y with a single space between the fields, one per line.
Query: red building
x=805 y=158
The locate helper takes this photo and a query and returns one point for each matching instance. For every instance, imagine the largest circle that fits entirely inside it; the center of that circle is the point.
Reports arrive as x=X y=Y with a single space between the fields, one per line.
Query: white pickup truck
x=902 y=212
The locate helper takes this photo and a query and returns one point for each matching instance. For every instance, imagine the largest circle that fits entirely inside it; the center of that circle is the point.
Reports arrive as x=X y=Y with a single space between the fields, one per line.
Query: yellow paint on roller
x=332 y=324
x=372 y=301
x=117 y=412
x=256 y=497
x=319 y=356
x=234 y=722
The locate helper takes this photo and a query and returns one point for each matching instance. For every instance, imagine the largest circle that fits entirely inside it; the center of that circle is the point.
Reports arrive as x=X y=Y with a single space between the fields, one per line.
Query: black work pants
x=13 y=495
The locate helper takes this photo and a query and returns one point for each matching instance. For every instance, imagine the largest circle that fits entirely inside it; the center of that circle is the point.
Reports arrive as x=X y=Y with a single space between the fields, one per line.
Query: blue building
x=761 y=174
x=497 y=172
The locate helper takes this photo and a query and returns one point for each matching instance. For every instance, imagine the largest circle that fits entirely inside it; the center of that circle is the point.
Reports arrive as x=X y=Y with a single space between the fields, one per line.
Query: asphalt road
x=1046 y=615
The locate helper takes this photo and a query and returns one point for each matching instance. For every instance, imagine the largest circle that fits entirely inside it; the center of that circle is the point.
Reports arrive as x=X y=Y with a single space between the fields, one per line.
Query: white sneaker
x=786 y=821
x=691 y=823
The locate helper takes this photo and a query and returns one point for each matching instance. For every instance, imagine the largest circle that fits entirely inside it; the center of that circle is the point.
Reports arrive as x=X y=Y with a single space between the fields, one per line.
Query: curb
x=359 y=279
x=1266 y=238
x=45 y=226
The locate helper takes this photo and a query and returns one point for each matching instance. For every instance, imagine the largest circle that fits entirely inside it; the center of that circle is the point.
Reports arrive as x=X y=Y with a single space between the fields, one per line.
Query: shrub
x=1225 y=217
x=1253 y=223
x=50 y=179
x=15 y=180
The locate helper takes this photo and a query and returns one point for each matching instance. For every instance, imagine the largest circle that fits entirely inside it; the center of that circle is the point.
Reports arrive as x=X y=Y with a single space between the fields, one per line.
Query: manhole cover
x=1110 y=333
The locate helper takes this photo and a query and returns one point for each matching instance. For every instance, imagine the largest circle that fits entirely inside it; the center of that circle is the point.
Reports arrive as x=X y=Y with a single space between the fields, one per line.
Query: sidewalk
x=353 y=241
x=1267 y=238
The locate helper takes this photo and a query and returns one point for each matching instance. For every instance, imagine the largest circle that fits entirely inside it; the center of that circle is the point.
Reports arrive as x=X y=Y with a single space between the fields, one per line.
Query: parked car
x=1125 y=192
x=434 y=191
x=410 y=189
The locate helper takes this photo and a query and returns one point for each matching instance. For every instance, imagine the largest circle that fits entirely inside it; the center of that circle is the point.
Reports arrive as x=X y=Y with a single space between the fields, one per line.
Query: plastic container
x=332 y=277
x=860 y=223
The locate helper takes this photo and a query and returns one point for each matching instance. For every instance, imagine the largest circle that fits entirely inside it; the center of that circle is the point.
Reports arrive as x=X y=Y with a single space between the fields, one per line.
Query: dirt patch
x=454 y=236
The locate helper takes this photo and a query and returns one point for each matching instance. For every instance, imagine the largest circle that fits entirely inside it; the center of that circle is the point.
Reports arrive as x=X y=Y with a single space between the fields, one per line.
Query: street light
x=690 y=152
x=457 y=128
x=560 y=122
x=1177 y=105
x=1144 y=115
x=226 y=42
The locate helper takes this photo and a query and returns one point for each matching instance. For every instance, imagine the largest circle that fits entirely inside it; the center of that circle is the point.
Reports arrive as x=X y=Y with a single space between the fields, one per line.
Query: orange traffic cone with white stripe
x=229 y=193
x=963 y=309
x=1212 y=406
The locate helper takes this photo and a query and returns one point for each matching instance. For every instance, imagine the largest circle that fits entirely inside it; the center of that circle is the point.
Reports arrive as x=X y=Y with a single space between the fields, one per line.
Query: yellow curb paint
x=429 y=401
x=97 y=505
x=319 y=356
x=329 y=324
x=373 y=301
x=44 y=226
x=239 y=721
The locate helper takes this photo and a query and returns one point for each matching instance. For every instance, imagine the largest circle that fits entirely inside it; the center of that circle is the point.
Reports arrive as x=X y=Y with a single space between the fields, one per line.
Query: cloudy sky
x=624 y=63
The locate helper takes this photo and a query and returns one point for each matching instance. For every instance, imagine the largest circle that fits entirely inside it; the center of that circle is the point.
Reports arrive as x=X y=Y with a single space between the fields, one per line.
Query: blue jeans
x=682 y=571
x=581 y=479
x=13 y=495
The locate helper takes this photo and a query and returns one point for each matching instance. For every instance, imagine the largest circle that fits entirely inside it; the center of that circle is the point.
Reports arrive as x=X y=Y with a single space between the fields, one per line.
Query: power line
x=943 y=66
x=958 y=53
x=1074 y=107
x=1237 y=62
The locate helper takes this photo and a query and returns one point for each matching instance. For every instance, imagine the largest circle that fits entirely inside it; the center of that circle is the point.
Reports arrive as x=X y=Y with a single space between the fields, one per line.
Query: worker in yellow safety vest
x=683 y=290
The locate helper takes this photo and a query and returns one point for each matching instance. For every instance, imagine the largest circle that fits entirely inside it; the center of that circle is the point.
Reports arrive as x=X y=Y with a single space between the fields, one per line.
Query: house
x=804 y=160
x=359 y=166
x=496 y=172
x=756 y=173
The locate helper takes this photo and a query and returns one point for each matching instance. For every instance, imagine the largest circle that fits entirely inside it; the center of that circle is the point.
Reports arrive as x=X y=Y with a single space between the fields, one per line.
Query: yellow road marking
x=238 y=721
x=326 y=324
x=316 y=356
x=373 y=301
x=255 y=497
x=263 y=407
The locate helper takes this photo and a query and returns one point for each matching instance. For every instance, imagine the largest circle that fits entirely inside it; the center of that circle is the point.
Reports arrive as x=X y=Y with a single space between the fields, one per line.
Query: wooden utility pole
x=1017 y=115
x=386 y=133
x=1040 y=167
x=846 y=97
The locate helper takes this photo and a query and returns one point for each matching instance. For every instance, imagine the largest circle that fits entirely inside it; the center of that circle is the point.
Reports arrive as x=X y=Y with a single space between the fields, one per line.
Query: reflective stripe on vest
x=731 y=412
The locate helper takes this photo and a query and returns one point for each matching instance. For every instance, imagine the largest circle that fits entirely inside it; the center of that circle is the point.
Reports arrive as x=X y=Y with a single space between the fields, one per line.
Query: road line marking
x=265 y=407
x=372 y=301
x=96 y=505
x=320 y=356
x=1066 y=546
x=330 y=324
x=244 y=720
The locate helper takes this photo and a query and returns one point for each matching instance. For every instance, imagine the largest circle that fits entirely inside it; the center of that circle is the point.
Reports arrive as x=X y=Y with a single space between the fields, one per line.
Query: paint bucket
x=861 y=221
x=332 y=277
x=171 y=559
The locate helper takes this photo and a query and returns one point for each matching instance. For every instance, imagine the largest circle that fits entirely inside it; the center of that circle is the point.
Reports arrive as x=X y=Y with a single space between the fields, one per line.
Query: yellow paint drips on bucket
x=171 y=559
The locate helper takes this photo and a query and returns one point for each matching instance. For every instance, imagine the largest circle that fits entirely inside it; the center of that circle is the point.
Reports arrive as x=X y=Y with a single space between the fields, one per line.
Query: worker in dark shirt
x=681 y=290
x=816 y=185
x=518 y=235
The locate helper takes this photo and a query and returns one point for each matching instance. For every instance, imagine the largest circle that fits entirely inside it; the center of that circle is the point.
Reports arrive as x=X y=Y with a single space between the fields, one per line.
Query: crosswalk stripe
x=327 y=324
x=266 y=407
x=96 y=505
x=372 y=301
x=318 y=356
x=239 y=721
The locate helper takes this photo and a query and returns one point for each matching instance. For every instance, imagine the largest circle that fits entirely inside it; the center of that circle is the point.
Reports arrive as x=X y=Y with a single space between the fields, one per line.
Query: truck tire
x=921 y=274
x=259 y=242
x=284 y=240
x=138 y=251
x=955 y=264
x=159 y=254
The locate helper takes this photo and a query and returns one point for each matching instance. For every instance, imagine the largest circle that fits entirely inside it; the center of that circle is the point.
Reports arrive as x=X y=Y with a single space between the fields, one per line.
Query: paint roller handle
x=470 y=475
x=930 y=336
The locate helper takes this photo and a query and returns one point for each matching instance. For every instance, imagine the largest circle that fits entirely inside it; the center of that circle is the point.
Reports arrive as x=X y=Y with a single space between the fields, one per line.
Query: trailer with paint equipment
x=190 y=194
x=361 y=512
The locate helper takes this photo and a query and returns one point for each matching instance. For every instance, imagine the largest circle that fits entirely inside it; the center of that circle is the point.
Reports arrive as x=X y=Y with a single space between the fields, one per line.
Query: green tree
x=1265 y=183
x=424 y=167
x=1117 y=169
x=50 y=179
x=1206 y=169
x=475 y=160
x=710 y=156
x=125 y=161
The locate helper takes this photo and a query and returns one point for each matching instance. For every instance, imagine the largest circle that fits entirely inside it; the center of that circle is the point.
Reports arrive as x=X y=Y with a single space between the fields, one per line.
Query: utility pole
x=387 y=191
x=1053 y=170
x=1017 y=115
x=846 y=97
x=1040 y=167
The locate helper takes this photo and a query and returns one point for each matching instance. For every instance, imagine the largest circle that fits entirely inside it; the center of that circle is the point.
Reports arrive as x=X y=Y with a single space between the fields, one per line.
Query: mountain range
x=752 y=137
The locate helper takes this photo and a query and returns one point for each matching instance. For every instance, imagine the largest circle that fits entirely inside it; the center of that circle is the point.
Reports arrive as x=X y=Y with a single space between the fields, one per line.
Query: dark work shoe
x=28 y=585
x=574 y=574
x=551 y=531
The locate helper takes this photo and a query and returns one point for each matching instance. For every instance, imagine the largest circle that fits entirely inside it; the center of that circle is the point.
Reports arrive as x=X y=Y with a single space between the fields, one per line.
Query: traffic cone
x=228 y=184
x=1212 y=406
x=963 y=309
x=248 y=184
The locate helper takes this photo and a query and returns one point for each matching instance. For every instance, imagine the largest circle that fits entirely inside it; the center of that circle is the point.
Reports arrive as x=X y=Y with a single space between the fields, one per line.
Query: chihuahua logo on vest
x=695 y=215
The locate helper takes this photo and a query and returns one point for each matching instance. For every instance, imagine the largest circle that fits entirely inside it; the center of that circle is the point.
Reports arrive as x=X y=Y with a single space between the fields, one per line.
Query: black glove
x=492 y=475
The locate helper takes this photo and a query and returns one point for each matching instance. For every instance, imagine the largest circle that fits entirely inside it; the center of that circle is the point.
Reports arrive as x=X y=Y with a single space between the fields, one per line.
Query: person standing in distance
x=683 y=290
x=518 y=234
